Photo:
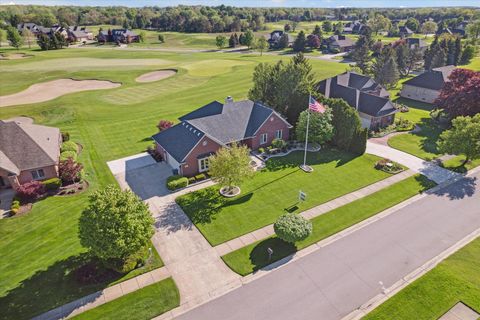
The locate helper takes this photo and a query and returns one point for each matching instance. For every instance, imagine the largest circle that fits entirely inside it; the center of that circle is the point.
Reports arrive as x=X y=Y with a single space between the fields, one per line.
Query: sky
x=255 y=3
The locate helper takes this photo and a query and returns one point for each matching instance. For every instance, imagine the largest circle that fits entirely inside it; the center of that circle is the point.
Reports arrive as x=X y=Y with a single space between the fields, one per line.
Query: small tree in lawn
x=462 y=138
x=31 y=190
x=300 y=42
x=292 y=227
x=320 y=129
x=69 y=171
x=161 y=38
x=249 y=38
x=142 y=36
x=116 y=227
x=261 y=44
x=14 y=37
x=221 y=41
x=27 y=36
x=230 y=166
x=164 y=125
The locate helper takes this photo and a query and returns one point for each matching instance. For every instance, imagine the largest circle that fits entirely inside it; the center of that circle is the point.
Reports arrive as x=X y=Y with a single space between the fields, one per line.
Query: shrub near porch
x=274 y=191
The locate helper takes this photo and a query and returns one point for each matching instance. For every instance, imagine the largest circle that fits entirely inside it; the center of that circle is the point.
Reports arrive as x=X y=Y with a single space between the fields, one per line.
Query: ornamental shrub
x=70 y=171
x=65 y=155
x=279 y=143
x=176 y=182
x=292 y=227
x=65 y=136
x=358 y=144
x=69 y=146
x=31 y=190
x=52 y=184
x=164 y=124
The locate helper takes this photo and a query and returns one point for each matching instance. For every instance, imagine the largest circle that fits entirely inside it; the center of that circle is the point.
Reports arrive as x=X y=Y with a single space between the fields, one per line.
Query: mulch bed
x=72 y=189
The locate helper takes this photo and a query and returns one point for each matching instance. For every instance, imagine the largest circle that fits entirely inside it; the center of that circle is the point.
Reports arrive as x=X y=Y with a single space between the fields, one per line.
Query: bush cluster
x=292 y=227
x=69 y=146
x=15 y=206
x=31 y=190
x=65 y=155
x=176 y=182
x=52 y=184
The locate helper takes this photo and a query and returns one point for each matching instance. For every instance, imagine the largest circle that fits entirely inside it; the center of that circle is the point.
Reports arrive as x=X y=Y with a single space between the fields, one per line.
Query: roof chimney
x=229 y=99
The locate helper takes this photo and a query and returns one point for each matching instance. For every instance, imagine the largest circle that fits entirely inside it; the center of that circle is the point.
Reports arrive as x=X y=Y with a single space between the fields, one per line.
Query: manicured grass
x=455 y=279
x=274 y=190
x=142 y=304
x=253 y=257
x=455 y=164
x=38 y=249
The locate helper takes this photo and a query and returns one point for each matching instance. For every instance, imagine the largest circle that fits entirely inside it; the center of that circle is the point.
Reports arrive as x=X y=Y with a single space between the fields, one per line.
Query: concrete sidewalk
x=268 y=231
x=428 y=169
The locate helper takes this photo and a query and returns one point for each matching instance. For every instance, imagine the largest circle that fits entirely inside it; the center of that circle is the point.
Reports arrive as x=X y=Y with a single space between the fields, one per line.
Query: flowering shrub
x=31 y=190
x=70 y=170
x=164 y=124
x=292 y=227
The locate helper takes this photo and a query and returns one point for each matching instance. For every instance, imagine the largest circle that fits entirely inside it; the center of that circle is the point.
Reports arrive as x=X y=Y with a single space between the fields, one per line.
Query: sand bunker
x=156 y=75
x=50 y=90
x=14 y=56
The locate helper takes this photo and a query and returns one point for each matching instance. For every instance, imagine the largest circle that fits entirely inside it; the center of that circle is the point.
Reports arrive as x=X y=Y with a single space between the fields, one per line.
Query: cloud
x=11 y=3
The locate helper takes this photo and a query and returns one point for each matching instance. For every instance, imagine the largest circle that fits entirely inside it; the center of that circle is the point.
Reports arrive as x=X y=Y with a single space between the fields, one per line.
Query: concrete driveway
x=194 y=264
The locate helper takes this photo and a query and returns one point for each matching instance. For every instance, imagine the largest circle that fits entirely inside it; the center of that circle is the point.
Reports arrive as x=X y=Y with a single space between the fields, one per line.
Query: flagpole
x=306 y=135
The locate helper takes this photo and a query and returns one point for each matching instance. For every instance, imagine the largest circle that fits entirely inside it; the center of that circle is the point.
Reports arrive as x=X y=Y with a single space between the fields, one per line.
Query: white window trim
x=263 y=141
x=39 y=176
x=279 y=134
x=207 y=166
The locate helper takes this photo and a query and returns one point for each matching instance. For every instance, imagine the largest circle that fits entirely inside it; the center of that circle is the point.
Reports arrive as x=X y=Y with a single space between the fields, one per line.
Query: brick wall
x=269 y=127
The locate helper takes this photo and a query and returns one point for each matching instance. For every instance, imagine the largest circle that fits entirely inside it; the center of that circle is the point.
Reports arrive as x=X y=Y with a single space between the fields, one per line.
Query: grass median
x=144 y=303
x=253 y=257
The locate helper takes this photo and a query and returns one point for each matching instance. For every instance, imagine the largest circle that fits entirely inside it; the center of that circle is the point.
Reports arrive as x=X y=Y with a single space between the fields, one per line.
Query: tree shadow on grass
x=281 y=249
x=201 y=206
x=430 y=134
x=51 y=288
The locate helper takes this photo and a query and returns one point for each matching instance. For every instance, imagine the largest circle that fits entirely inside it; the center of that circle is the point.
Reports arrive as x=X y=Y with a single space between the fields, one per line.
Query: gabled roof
x=433 y=79
x=360 y=92
x=416 y=42
x=27 y=146
x=179 y=140
x=223 y=123
x=405 y=29
x=341 y=41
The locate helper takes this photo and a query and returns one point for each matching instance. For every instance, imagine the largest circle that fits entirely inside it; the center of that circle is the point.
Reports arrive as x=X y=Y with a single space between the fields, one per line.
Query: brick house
x=370 y=99
x=27 y=152
x=187 y=146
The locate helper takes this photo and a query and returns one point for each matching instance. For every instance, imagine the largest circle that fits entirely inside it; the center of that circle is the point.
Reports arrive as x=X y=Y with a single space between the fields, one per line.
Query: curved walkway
x=428 y=169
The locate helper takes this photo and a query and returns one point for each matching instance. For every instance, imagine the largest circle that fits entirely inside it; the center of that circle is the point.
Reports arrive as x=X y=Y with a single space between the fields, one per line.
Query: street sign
x=302 y=196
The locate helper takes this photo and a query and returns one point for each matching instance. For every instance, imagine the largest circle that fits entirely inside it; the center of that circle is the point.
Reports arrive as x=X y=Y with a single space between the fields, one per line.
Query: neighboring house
x=32 y=27
x=339 y=43
x=27 y=152
x=416 y=43
x=404 y=32
x=353 y=27
x=79 y=34
x=370 y=99
x=118 y=36
x=426 y=87
x=187 y=146
x=275 y=38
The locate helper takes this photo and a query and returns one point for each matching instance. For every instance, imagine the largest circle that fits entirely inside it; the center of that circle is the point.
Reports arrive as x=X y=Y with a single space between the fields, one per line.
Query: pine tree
x=361 y=54
x=300 y=42
x=231 y=42
x=439 y=58
x=385 y=68
x=317 y=31
x=458 y=51
x=402 y=59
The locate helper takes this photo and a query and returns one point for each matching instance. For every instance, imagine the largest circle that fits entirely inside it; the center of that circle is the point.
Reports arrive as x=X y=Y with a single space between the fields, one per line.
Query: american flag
x=315 y=106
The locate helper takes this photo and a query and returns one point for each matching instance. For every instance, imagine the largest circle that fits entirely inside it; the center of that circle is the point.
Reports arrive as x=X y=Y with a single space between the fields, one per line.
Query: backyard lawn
x=428 y=298
x=253 y=257
x=142 y=304
x=274 y=190
x=38 y=249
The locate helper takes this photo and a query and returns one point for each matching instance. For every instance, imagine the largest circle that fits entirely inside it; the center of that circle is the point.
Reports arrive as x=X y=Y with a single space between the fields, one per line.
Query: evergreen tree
x=467 y=55
x=384 y=69
x=43 y=42
x=241 y=39
x=361 y=54
x=317 y=31
x=237 y=41
x=458 y=51
x=283 y=41
x=231 y=42
x=439 y=58
x=327 y=26
x=300 y=42
x=402 y=59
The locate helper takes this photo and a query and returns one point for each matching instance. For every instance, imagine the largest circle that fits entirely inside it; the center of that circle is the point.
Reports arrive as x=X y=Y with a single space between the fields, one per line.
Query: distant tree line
x=216 y=19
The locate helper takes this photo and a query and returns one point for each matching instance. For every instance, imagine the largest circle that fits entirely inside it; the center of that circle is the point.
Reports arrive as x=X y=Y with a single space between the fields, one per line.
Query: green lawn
x=142 y=304
x=456 y=164
x=274 y=190
x=455 y=279
x=253 y=257
x=37 y=249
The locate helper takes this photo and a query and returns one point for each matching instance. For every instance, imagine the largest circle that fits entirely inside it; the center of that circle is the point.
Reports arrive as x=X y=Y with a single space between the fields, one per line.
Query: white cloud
x=11 y=3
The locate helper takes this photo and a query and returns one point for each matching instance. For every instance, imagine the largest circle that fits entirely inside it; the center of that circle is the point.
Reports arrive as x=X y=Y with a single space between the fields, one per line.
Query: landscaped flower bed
x=388 y=166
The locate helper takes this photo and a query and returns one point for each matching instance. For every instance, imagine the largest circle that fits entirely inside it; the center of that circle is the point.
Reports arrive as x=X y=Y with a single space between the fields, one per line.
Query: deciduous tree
x=249 y=38
x=14 y=37
x=429 y=27
x=221 y=41
x=261 y=44
x=320 y=129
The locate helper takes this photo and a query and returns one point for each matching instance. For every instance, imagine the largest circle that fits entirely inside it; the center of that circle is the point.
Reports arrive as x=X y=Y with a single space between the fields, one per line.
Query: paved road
x=337 y=279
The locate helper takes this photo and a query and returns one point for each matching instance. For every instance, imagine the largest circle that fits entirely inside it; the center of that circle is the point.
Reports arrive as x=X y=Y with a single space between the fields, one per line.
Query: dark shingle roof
x=28 y=146
x=433 y=79
x=360 y=92
x=179 y=140
x=210 y=109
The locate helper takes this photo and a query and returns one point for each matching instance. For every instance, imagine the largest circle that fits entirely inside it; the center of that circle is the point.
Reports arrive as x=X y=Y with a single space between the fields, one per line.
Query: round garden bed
x=235 y=191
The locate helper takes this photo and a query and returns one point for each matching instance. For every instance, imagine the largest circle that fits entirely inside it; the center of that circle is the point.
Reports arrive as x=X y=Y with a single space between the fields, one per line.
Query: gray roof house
x=370 y=99
x=187 y=145
x=426 y=87
x=27 y=152
x=339 y=43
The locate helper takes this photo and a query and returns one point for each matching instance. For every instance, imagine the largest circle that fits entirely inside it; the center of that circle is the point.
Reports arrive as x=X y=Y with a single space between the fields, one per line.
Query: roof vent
x=229 y=99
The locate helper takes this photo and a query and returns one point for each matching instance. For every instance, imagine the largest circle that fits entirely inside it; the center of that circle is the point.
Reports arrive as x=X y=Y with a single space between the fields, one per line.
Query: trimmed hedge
x=52 y=184
x=69 y=146
x=176 y=182
x=68 y=154
x=292 y=227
